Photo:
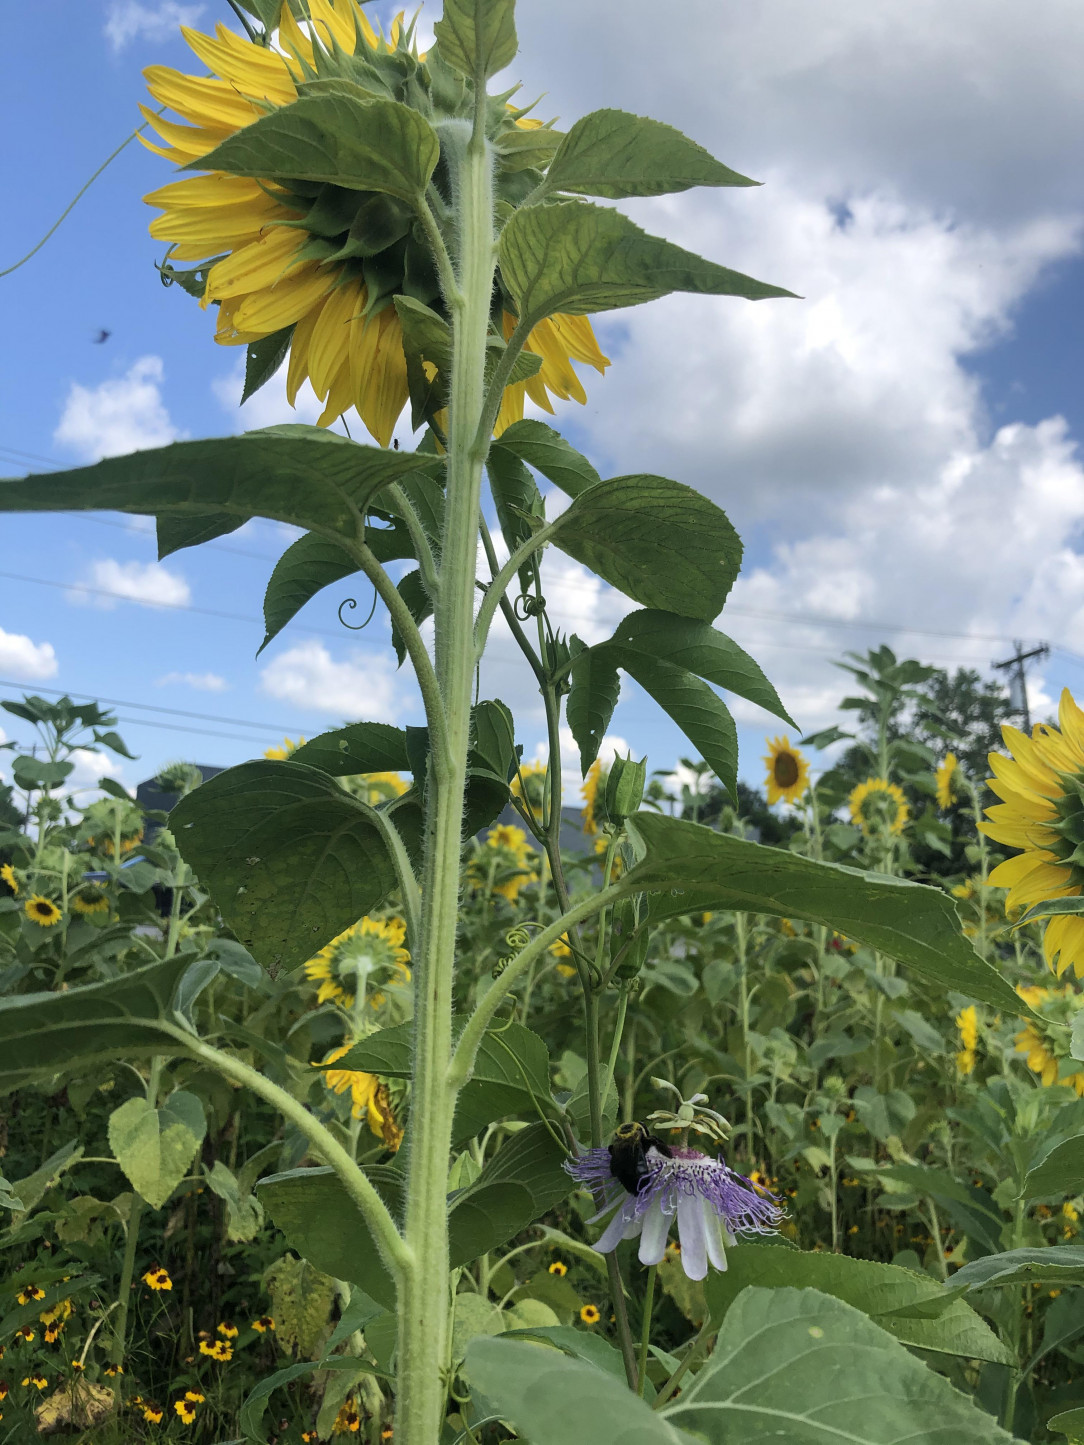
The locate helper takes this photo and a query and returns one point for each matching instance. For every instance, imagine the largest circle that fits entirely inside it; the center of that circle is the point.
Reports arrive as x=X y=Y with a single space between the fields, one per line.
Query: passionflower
x=1042 y=787
x=314 y=265
x=711 y=1203
x=788 y=771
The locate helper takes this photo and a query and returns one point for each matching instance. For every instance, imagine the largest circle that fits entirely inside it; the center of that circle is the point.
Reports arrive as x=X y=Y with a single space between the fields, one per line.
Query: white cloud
x=90 y=766
x=309 y=677
x=148 y=583
x=201 y=681
x=26 y=661
x=127 y=20
x=123 y=414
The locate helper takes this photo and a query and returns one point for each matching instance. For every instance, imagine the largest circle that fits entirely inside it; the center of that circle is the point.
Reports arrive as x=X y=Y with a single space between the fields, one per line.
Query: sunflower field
x=392 y=1086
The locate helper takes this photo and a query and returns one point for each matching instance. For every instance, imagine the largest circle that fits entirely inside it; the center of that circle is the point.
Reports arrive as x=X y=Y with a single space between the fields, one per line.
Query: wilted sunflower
x=945 y=776
x=369 y=1097
x=788 y=771
x=375 y=945
x=878 y=804
x=1042 y=812
x=314 y=265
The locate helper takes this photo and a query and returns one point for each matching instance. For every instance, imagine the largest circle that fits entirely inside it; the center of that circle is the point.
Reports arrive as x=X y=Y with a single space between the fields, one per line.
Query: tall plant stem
x=131 y=1243
x=424 y=1300
x=645 y=1332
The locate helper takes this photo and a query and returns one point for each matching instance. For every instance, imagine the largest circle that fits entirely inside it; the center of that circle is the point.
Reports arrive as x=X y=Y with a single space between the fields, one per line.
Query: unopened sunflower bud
x=625 y=788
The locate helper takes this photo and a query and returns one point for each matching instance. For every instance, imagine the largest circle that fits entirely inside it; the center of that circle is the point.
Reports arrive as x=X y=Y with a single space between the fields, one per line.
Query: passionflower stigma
x=711 y=1203
x=1042 y=812
x=310 y=268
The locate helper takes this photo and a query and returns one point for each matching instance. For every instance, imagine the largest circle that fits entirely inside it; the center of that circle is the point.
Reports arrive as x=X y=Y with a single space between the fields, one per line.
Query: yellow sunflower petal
x=254 y=70
x=187 y=142
x=378 y=369
x=258 y=266
x=207 y=102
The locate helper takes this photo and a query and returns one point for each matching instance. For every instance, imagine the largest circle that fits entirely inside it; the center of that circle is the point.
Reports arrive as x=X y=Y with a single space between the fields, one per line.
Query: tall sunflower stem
x=424 y=1293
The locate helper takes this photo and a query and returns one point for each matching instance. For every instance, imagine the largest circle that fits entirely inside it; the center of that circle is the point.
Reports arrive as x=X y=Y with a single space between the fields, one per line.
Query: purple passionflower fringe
x=710 y=1201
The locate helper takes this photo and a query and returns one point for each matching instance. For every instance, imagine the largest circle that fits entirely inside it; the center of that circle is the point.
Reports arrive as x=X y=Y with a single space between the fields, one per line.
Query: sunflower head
x=302 y=266
x=1045 y=1039
x=42 y=911
x=788 y=771
x=589 y=788
x=287 y=748
x=878 y=806
x=1041 y=787
x=530 y=784
x=370 y=951
x=7 y=873
x=946 y=781
x=504 y=863
x=89 y=900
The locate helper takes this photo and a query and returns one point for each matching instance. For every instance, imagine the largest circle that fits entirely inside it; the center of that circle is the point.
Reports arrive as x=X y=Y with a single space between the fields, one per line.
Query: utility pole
x=1018 y=685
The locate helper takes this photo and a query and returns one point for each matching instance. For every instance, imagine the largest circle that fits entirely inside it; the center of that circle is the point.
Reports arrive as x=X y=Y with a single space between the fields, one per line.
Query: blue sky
x=898 y=448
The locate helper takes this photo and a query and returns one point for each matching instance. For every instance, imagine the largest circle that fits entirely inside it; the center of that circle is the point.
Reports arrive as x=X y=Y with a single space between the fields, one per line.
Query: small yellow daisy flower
x=590 y=1315
x=558 y=1267
x=185 y=1410
x=263 y=1324
x=157 y=1279
x=29 y=1292
x=228 y=1332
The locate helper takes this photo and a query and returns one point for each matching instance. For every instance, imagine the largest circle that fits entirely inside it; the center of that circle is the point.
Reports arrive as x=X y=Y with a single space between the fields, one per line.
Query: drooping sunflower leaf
x=306 y=567
x=796 y=1364
x=357 y=748
x=515 y=495
x=659 y=542
x=614 y=154
x=912 y=1307
x=686 y=865
x=578 y=259
x=427 y=338
x=477 y=37
x=155 y=1146
x=547 y=451
x=325 y=1226
x=263 y=358
x=532 y=1159
x=591 y=702
x=701 y=650
x=361 y=145
x=289 y=857
x=41 y=1033
x=1057 y=1265
x=175 y=533
x=302 y=475
x=493 y=738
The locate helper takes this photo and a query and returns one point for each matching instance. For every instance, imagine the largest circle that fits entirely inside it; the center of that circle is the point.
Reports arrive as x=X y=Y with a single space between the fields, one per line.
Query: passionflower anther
x=711 y=1203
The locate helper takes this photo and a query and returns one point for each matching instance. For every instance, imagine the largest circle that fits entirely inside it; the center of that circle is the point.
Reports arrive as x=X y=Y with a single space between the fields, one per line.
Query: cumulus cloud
x=127 y=20
x=90 y=767
x=25 y=661
x=308 y=676
x=123 y=414
x=269 y=406
x=148 y=583
x=201 y=681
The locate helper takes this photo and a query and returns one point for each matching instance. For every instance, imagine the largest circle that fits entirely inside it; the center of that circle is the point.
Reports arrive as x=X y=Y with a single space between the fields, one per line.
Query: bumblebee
x=628 y=1154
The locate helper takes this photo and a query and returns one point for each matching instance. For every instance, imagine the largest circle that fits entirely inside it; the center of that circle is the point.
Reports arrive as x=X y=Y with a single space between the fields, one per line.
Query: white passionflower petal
x=713 y=1235
x=624 y=1225
x=694 y=1253
x=656 y=1228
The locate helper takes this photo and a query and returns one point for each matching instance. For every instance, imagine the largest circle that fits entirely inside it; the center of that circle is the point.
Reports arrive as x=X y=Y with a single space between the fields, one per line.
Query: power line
x=152 y=707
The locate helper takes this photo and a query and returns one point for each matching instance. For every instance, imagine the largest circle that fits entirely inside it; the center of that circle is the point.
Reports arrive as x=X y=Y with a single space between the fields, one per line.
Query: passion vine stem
x=424 y=1294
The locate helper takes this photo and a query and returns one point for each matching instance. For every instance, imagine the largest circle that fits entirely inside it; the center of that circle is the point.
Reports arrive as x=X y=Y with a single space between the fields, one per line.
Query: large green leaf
x=175 y=533
x=969 y=1206
x=303 y=475
x=324 y=1225
x=515 y=495
x=531 y=1158
x=477 y=37
x=362 y=145
x=289 y=857
x=1059 y=1173
x=511 y=1072
x=689 y=868
x=913 y=1307
x=545 y=449
x=306 y=567
x=795 y=1365
x=554 y=1399
x=591 y=701
x=153 y=1146
x=1069 y=1423
x=614 y=154
x=701 y=650
x=657 y=541
x=357 y=748
x=251 y=1421
x=1059 y=1264
x=41 y=1033
x=577 y=258
x=698 y=711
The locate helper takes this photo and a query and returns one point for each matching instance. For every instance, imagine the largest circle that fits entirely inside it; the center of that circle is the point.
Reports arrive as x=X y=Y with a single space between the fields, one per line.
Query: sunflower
x=364 y=948
x=967 y=1021
x=529 y=784
x=878 y=804
x=788 y=771
x=504 y=863
x=317 y=266
x=41 y=910
x=1042 y=812
x=1044 y=1039
x=589 y=789
x=945 y=778
x=90 y=899
x=279 y=755
x=7 y=873
x=369 y=1097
